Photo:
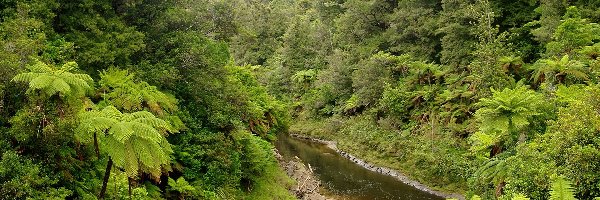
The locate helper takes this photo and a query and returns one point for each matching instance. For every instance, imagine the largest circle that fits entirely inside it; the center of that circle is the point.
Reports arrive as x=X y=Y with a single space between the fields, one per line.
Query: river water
x=343 y=179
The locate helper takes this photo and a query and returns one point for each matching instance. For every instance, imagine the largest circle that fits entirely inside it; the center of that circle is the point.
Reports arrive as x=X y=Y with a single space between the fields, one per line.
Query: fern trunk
x=500 y=189
x=496 y=149
x=106 y=177
x=96 y=148
x=129 y=180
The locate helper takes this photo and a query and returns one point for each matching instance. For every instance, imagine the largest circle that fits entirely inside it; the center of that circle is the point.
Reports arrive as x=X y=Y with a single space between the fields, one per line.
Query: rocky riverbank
x=307 y=187
x=383 y=170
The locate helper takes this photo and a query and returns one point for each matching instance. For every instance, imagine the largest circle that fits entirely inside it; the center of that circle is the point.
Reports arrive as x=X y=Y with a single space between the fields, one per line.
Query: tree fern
x=135 y=142
x=181 y=186
x=504 y=115
x=558 y=70
x=561 y=190
x=134 y=136
x=124 y=93
x=51 y=81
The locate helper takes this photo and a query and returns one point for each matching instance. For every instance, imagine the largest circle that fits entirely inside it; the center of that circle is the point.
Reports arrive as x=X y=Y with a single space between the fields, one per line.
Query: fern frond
x=76 y=80
x=131 y=161
x=561 y=190
x=42 y=81
x=61 y=86
x=51 y=82
x=69 y=66
x=142 y=114
x=26 y=77
x=519 y=197
x=121 y=131
x=39 y=67
x=156 y=123
x=112 y=112
x=146 y=131
x=144 y=154
x=133 y=140
x=115 y=149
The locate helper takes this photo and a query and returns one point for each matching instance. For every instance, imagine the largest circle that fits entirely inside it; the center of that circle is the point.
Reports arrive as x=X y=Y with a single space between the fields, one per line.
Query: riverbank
x=307 y=185
x=383 y=170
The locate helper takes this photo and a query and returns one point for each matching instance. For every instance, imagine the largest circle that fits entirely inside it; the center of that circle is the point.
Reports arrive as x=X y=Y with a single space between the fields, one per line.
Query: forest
x=183 y=99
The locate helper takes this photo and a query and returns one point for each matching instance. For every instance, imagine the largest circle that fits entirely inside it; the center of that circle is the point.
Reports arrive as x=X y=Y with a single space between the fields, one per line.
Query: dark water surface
x=344 y=179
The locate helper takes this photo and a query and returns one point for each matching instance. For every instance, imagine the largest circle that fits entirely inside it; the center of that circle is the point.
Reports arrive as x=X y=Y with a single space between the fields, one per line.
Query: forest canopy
x=151 y=99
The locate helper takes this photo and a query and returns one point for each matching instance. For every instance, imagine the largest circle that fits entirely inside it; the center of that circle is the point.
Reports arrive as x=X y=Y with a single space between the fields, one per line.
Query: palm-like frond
x=561 y=190
x=508 y=109
x=504 y=115
x=493 y=171
x=128 y=95
x=553 y=68
x=509 y=62
x=51 y=81
x=135 y=141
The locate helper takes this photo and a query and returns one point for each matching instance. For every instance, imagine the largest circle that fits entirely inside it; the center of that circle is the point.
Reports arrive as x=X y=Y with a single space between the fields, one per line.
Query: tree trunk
x=496 y=149
x=129 y=183
x=106 y=177
x=500 y=189
x=96 y=148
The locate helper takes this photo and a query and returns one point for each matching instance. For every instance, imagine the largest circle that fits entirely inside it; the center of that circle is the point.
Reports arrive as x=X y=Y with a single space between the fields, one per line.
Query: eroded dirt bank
x=307 y=187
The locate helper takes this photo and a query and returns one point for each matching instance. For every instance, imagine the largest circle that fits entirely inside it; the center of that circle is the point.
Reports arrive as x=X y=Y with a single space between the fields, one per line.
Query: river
x=343 y=179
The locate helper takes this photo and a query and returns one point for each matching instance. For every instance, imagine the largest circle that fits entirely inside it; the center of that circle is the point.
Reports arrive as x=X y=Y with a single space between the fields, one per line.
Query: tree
x=457 y=31
x=181 y=186
x=550 y=12
x=373 y=74
x=120 y=90
x=412 y=29
x=573 y=33
x=503 y=117
x=135 y=142
x=494 y=171
x=512 y=65
x=103 y=39
x=559 y=71
x=50 y=81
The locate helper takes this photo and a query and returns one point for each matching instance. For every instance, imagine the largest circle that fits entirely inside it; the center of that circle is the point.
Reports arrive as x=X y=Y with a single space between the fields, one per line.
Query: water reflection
x=344 y=179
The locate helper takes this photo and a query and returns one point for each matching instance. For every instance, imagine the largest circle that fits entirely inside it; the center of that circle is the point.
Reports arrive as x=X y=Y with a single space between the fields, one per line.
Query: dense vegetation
x=151 y=99
x=492 y=98
x=131 y=99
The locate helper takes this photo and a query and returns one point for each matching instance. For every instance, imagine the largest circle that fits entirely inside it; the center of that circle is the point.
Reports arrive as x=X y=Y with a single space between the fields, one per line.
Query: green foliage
x=561 y=190
x=135 y=141
x=373 y=74
x=394 y=82
x=494 y=171
x=181 y=186
x=21 y=178
x=519 y=197
x=50 y=81
x=120 y=90
x=573 y=33
x=563 y=70
x=103 y=39
x=412 y=29
x=550 y=13
x=118 y=188
x=504 y=117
